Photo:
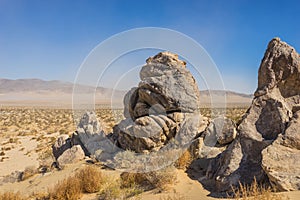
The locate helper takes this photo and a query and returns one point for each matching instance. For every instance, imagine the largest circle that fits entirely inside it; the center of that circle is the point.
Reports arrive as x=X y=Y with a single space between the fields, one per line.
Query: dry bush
x=90 y=179
x=184 y=160
x=255 y=191
x=151 y=180
x=39 y=196
x=68 y=189
x=112 y=190
x=11 y=196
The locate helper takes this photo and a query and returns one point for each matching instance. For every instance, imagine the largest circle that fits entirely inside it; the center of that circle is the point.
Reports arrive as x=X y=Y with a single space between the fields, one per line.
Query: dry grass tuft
x=113 y=189
x=68 y=189
x=160 y=180
x=90 y=178
x=255 y=191
x=184 y=160
x=11 y=196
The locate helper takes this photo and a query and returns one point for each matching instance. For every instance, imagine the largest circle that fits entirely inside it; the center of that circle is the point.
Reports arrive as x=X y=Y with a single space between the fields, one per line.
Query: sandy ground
x=40 y=182
x=22 y=152
x=184 y=187
x=21 y=155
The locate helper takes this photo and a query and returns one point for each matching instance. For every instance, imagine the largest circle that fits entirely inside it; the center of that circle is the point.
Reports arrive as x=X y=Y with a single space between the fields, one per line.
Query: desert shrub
x=11 y=196
x=39 y=196
x=184 y=160
x=255 y=191
x=90 y=179
x=151 y=180
x=68 y=189
x=112 y=190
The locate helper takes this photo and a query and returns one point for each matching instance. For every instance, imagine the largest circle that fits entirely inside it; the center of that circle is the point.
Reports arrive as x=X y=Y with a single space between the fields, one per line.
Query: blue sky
x=50 y=39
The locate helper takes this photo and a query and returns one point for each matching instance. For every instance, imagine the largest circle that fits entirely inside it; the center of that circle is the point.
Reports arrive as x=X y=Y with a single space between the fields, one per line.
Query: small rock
x=72 y=155
x=61 y=145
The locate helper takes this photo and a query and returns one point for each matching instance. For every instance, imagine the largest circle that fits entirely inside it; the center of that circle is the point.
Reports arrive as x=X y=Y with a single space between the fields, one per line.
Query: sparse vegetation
x=160 y=180
x=11 y=196
x=90 y=178
x=255 y=191
x=68 y=189
x=184 y=160
x=45 y=125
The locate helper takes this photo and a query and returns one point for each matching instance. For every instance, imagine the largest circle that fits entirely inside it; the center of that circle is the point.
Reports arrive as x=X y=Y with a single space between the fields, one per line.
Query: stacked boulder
x=267 y=145
x=166 y=99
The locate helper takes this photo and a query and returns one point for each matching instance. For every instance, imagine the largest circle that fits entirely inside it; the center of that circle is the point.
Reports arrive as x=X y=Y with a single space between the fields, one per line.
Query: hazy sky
x=50 y=39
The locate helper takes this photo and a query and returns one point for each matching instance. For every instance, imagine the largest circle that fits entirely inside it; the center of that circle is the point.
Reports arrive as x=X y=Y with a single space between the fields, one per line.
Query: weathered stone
x=276 y=99
x=165 y=81
x=145 y=133
x=157 y=109
x=89 y=132
x=281 y=164
x=72 y=155
x=221 y=130
x=291 y=137
x=279 y=68
x=61 y=145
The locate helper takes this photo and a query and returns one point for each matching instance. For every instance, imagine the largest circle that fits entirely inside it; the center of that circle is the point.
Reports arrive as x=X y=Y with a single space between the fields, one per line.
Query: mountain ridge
x=38 y=85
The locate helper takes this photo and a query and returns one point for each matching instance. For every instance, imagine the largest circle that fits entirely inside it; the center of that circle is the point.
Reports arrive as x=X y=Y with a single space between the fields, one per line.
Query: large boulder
x=276 y=100
x=165 y=101
x=166 y=86
x=281 y=160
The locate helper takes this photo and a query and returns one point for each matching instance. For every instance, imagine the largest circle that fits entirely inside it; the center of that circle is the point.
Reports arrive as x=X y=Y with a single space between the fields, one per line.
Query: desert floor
x=26 y=137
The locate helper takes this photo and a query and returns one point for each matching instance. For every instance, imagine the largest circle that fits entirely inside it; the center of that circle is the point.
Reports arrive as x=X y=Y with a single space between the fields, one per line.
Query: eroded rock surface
x=221 y=130
x=165 y=101
x=272 y=113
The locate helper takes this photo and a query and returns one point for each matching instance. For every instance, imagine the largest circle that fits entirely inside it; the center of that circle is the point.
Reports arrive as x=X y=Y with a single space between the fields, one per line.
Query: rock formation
x=269 y=130
x=88 y=140
x=163 y=109
x=155 y=111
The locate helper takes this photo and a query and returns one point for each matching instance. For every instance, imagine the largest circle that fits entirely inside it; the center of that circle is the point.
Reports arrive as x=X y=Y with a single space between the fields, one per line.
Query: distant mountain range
x=41 y=86
x=37 y=90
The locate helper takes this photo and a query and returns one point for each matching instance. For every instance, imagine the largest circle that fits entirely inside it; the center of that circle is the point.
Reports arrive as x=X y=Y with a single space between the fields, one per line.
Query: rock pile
x=166 y=97
x=267 y=146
